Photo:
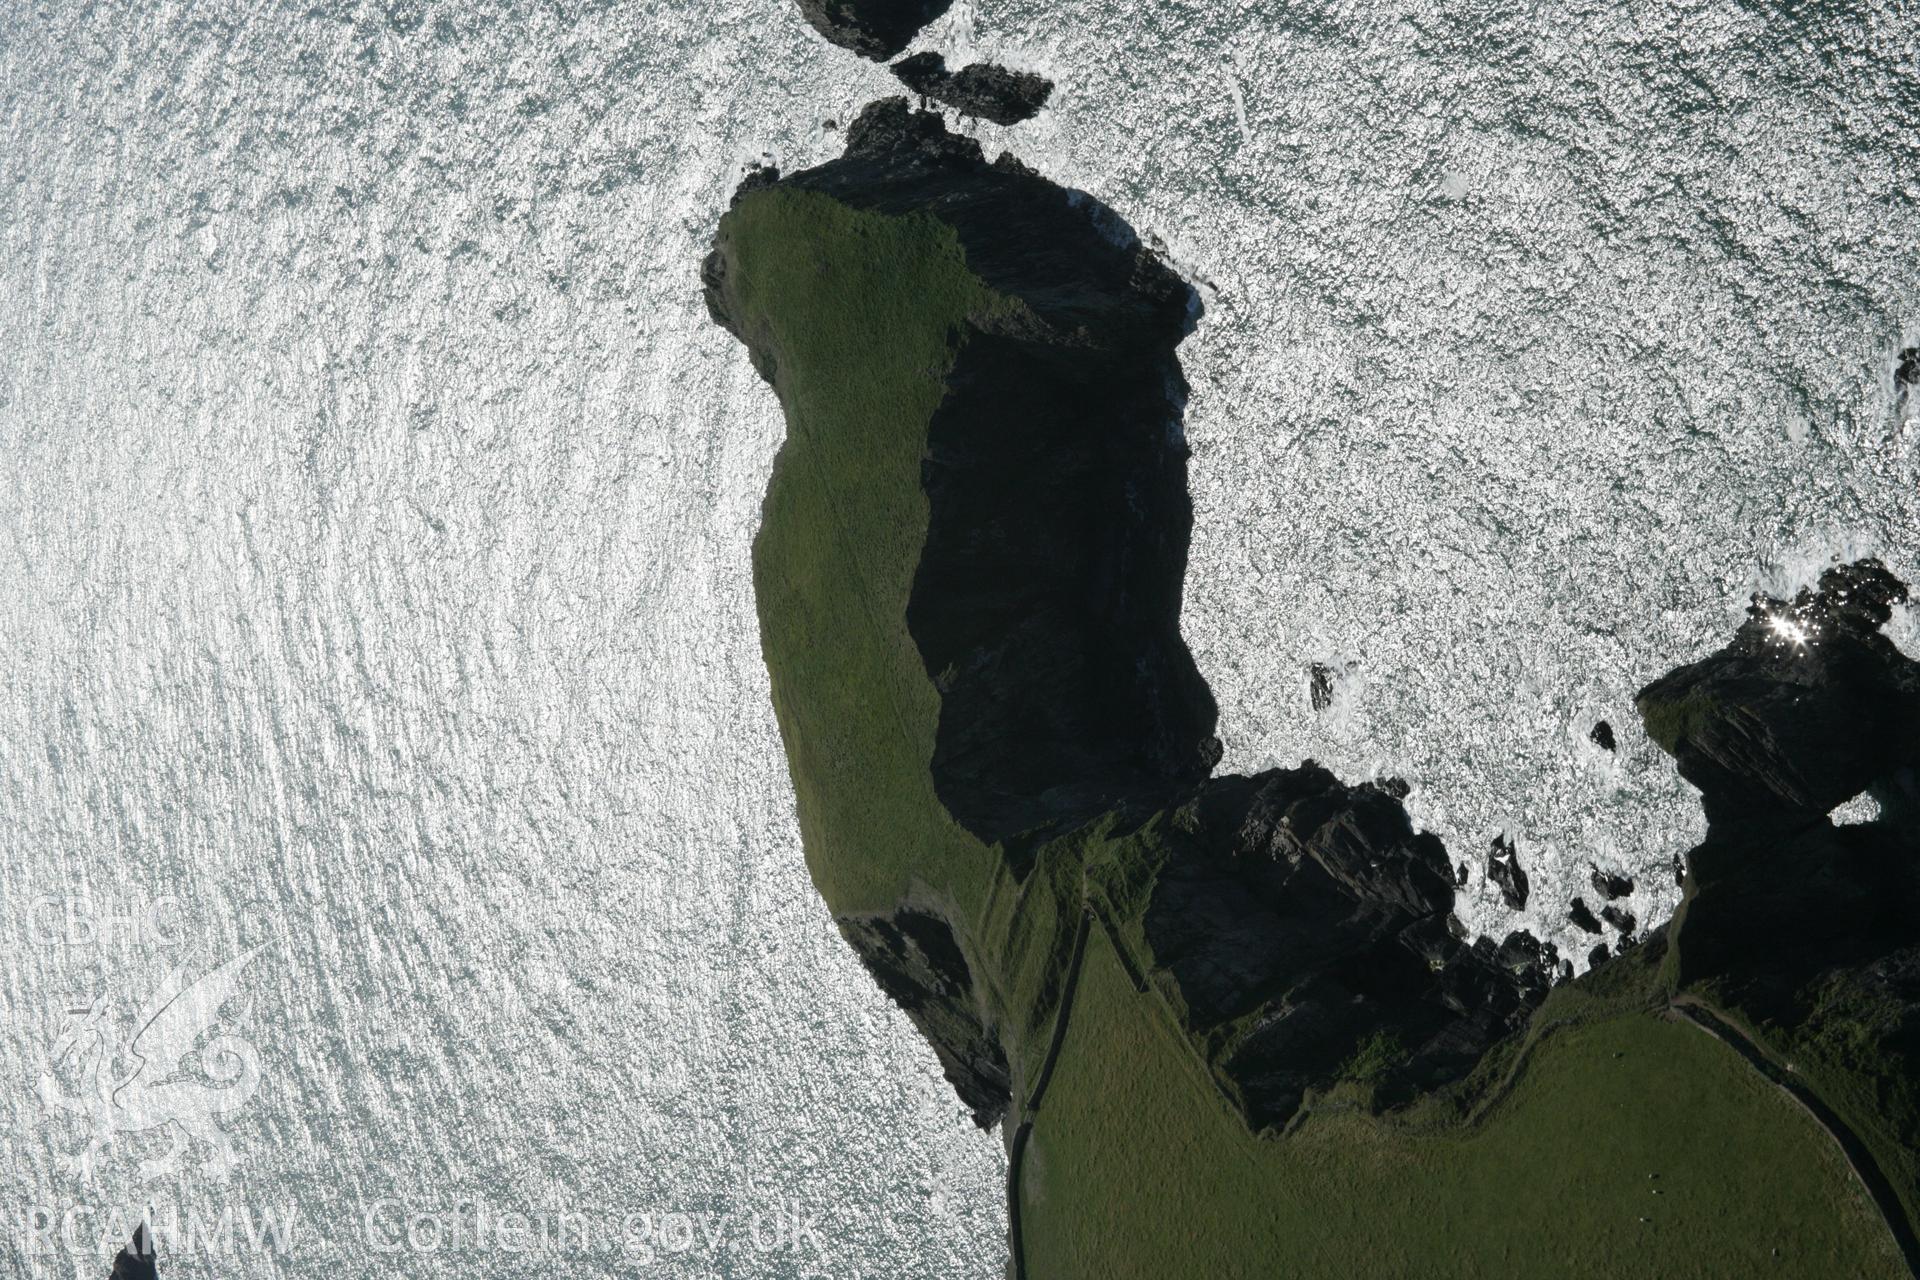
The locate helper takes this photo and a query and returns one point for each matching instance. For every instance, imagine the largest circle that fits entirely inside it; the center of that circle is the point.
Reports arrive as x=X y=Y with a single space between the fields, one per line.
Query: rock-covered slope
x=1200 y=1005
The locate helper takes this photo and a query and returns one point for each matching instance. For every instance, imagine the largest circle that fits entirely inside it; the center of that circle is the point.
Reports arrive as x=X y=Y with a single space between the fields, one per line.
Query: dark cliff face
x=1313 y=916
x=1047 y=602
x=876 y=29
x=916 y=960
x=1808 y=706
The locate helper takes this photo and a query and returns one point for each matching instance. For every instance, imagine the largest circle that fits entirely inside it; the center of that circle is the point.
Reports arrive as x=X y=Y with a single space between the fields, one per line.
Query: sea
x=398 y=868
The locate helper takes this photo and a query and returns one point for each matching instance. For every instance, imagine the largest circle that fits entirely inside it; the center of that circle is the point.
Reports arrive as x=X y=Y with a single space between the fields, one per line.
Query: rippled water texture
x=377 y=497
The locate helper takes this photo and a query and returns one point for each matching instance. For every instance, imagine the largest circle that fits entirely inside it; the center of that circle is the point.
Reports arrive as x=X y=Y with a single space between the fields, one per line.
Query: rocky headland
x=1229 y=1024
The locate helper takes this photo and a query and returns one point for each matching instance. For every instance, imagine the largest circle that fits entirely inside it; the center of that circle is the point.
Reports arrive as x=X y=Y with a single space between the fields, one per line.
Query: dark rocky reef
x=1302 y=920
x=978 y=89
x=915 y=958
x=876 y=29
x=1610 y=885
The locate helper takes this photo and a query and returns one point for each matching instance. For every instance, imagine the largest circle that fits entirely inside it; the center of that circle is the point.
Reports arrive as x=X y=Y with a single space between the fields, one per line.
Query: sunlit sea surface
x=378 y=665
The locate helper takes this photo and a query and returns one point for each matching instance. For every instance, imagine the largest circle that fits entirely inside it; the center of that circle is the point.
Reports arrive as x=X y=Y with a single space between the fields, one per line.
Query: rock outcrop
x=876 y=29
x=1807 y=707
x=979 y=89
x=136 y=1261
x=916 y=960
x=1809 y=933
x=1311 y=917
x=1504 y=869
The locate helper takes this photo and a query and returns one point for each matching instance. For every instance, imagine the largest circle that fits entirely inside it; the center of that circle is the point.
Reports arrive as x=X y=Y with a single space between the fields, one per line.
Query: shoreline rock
x=980 y=89
x=874 y=29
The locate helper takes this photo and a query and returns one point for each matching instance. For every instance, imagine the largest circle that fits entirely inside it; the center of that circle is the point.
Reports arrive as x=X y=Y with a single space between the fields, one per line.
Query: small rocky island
x=978 y=89
x=876 y=29
x=1229 y=1025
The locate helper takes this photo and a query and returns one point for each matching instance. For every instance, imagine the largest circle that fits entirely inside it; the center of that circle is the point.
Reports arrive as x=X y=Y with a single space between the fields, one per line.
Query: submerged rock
x=876 y=29
x=979 y=89
x=1504 y=869
x=1619 y=919
x=1320 y=686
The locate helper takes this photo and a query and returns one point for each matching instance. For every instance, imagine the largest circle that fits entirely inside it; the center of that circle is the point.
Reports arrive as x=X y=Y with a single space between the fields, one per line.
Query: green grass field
x=1628 y=1145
